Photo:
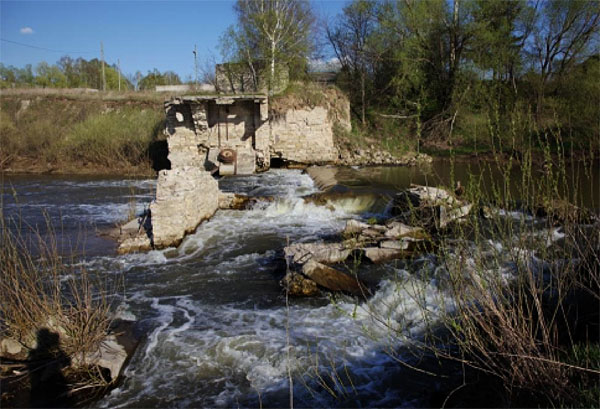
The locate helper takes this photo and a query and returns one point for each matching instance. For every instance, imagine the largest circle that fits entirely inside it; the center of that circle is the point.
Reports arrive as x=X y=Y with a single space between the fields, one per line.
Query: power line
x=46 y=49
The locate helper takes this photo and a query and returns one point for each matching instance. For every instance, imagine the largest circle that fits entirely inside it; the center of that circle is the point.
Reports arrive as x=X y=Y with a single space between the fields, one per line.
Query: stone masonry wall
x=303 y=135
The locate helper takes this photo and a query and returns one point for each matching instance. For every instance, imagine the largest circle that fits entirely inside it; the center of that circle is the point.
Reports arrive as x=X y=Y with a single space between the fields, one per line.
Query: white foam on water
x=231 y=353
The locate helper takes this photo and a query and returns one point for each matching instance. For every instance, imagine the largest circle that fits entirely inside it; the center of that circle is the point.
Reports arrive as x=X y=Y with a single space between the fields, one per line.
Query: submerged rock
x=429 y=206
x=563 y=212
x=236 y=201
x=347 y=200
x=299 y=286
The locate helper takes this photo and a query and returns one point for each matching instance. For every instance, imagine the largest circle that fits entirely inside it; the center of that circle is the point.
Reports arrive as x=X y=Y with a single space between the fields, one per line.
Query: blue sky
x=141 y=34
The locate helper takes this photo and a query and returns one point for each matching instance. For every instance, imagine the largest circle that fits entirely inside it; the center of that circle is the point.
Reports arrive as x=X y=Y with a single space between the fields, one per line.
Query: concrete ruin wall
x=185 y=197
x=201 y=127
x=198 y=129
x=303 y=135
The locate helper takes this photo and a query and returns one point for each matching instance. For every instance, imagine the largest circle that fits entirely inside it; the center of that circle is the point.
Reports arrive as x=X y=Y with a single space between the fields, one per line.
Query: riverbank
x=81 y=133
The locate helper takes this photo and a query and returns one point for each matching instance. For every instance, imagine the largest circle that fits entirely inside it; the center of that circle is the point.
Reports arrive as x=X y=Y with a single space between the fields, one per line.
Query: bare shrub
x=40 y=290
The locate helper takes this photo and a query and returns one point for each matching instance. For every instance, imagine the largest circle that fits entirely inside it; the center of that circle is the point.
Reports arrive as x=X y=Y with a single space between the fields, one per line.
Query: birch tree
x=280 y=30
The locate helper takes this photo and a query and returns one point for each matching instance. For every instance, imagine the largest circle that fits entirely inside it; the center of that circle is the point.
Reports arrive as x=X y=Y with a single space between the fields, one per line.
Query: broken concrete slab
x=333 y=279
x=398 y=230
x=379 y=255
x=329 y=253
x=395 y=244
x=433 y=208
x=185 y=197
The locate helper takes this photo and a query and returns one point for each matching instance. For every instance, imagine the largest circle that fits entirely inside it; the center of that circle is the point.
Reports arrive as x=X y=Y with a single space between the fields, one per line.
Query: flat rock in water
x=395 y=244
x=380 y=255
x=114 y=351
x=320 y=252
x=397 y=230
x=449 y=215
x=355 y=227
x=135 y=235
x=432 y=195
x=333 y=279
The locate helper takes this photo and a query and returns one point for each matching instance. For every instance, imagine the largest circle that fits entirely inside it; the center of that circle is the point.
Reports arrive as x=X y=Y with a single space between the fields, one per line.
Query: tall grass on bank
x=115 y=138
x=47 y=134
x=41 y=291
x=518 y=281
x=524 y=275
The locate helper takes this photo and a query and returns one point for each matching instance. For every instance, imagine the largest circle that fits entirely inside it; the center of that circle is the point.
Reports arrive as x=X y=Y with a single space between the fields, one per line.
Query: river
x=216 y=328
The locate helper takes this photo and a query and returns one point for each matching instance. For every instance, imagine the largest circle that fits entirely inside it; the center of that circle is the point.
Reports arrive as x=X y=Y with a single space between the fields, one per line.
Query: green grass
x=112 y=138
x=81 y=135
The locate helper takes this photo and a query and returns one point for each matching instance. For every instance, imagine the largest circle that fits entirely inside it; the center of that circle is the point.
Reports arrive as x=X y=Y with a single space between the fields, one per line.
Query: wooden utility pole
x=103 y=73
x=195 y=65
x=119 y=70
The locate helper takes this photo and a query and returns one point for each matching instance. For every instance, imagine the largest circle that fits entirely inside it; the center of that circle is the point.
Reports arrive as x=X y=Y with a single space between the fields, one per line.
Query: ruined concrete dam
x=226 y=135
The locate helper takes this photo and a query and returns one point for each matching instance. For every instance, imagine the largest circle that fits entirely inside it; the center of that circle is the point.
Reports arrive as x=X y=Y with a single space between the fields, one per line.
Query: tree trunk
x=362 y=97
x=272 y=80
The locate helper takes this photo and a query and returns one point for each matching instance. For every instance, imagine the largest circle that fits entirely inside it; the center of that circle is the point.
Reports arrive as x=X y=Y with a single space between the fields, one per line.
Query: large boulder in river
x=298 y=285
x=333 y=279
x=429 y=206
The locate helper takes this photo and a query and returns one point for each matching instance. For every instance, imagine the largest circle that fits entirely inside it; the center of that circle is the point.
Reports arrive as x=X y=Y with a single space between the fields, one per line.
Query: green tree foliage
x=439 y=66
x=155 y=77
x=66 y=73
x=354 y=42
x=270 y=34
x=565 y=32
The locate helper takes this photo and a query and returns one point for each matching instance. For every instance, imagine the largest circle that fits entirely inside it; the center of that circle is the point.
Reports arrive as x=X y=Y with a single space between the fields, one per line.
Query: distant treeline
x=80 y=73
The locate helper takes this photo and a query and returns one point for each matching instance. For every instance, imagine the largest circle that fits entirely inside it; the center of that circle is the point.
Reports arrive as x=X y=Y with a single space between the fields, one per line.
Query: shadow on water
x=46 y=363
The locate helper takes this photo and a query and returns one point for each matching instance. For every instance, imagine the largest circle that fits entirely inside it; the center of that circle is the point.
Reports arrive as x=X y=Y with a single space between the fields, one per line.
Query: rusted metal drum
x=227 y=156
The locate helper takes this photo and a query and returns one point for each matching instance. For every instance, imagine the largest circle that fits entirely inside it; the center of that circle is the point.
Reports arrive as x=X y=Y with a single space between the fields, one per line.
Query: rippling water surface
x=216 y=328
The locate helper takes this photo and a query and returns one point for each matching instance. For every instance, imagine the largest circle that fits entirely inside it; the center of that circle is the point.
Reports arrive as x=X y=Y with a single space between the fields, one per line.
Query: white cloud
x=26 y=30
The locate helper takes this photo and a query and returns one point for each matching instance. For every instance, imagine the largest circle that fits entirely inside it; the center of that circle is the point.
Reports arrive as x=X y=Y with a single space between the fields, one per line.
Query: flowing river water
x=217 y=328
